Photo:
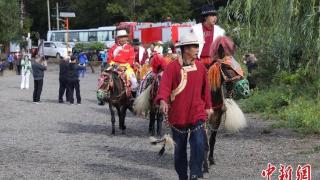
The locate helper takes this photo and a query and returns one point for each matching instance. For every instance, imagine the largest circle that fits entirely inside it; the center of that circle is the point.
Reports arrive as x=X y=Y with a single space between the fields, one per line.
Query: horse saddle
x=120 y=71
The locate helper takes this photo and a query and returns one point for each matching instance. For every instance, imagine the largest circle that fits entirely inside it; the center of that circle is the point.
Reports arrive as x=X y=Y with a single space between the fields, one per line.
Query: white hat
x=122 y=32
x=188 y=38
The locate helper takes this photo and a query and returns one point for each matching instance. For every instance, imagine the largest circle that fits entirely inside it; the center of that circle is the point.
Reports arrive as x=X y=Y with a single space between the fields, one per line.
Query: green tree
x=150 y=10
x=9 y=20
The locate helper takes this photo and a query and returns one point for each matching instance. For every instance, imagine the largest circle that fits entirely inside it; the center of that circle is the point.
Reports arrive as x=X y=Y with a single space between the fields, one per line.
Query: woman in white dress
x=25 y=72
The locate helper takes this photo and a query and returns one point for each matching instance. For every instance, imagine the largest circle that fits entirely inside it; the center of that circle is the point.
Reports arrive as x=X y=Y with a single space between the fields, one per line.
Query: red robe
x=189 y=106
x=124 y=54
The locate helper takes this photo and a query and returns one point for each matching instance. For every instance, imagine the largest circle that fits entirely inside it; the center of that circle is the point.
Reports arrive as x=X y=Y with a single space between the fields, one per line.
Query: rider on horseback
x=122 y=55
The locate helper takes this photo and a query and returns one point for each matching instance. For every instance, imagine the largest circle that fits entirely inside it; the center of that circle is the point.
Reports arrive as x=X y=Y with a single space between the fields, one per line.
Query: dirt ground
x=60 y=141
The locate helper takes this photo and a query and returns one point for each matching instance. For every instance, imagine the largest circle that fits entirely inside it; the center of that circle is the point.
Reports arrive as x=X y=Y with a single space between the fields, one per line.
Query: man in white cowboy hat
x=185 y=97
x=122 y=53
x=207 y=31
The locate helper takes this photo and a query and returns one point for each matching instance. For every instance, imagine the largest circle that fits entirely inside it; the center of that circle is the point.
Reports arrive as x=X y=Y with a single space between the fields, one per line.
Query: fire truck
x=155 y=32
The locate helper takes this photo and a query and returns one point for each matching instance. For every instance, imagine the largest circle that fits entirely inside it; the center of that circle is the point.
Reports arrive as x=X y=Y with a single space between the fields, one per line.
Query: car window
x=46 y=45
x=63 y=45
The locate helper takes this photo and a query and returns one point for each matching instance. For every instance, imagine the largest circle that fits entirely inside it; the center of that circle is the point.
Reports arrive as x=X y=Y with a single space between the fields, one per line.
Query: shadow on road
x=76 y=128
x=122 y=171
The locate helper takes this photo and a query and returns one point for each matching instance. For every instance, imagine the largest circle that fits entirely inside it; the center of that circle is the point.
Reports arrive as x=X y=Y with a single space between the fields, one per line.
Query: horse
x=148 y=92
x=113 y=89
x=224 y=76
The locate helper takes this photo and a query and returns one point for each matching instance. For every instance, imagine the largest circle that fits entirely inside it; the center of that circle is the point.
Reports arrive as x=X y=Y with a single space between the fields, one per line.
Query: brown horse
x=148 y=91
x=222 y=76
x=112 y=89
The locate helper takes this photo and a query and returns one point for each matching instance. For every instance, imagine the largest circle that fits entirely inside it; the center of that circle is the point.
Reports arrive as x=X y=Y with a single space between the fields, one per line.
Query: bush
x=281 y=103
x=303 y=115
x=267 y=101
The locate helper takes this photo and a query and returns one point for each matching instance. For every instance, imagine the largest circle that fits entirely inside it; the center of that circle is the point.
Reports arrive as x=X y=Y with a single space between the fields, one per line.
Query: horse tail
x=142 y=102
x=166 y=141
x=235 y=119
x=214 y=76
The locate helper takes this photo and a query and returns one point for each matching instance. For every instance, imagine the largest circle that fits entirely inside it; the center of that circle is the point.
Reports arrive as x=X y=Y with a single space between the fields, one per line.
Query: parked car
x=55 y=49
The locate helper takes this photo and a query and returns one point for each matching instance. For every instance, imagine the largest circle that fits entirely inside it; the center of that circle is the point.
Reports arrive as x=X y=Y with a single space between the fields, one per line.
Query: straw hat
x=188 y=39
x=122 y=32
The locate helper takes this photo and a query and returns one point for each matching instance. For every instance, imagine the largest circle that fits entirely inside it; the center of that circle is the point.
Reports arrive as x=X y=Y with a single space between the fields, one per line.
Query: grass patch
x=279 y=103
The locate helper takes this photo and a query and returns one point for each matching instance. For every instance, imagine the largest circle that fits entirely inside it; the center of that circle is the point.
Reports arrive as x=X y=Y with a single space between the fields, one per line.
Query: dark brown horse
x=112 y=89
x=144 y=103
x=222 y=75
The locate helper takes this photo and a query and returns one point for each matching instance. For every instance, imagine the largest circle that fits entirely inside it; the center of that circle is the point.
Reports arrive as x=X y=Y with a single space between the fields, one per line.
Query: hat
x=136 y=42
x=208 y=10
x=188 y=39
x=122 y=32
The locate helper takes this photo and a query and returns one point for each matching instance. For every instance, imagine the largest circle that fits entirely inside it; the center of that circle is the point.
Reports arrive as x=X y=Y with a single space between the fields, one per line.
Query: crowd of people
x=191 y=56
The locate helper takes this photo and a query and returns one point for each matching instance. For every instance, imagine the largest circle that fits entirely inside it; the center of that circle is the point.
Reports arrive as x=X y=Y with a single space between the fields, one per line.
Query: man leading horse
x=184 y=96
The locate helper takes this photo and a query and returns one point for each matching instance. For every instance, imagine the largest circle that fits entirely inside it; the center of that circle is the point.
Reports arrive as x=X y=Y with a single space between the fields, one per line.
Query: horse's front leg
x=122 y=116
x=113 y=118
x=152 y=117
x=215 y=122
x=159 y=117
x=206 y=152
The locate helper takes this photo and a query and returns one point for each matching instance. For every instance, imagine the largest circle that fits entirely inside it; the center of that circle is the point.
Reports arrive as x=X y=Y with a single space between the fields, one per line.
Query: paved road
x=60 y=141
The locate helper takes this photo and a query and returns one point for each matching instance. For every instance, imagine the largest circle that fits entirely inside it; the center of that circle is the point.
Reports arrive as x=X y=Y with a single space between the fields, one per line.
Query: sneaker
x=71 y=104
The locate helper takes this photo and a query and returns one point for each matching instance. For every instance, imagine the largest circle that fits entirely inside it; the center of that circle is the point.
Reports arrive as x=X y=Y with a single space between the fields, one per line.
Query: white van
x=55 y=49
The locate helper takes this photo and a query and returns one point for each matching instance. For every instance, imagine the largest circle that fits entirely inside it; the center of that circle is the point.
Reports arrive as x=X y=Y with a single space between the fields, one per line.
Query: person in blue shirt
x=10 y=60
x=104 y=57
x=83 y=61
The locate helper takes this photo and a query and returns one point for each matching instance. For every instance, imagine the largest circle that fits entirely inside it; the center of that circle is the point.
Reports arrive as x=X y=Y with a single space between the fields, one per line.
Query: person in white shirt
x=25 y=72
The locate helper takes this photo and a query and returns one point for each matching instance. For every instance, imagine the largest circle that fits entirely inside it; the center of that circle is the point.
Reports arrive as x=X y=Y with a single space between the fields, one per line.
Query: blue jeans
x=197 y=146
x=82 y=72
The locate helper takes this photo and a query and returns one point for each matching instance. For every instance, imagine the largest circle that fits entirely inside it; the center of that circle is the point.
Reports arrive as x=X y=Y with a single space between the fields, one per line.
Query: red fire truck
x=154 y=32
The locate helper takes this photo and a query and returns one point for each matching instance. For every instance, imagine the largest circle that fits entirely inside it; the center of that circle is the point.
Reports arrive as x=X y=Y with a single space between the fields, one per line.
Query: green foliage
x=92 y=46
x=303 y=115
x=276 y=31
x=9 y=20
x=150 y=10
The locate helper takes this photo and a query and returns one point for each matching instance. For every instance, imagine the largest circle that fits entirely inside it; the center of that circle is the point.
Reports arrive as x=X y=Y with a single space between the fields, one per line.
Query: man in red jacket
x=185 y=97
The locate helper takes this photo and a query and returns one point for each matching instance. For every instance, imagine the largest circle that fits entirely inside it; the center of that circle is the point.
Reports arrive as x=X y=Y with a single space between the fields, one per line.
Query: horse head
x=106 y=85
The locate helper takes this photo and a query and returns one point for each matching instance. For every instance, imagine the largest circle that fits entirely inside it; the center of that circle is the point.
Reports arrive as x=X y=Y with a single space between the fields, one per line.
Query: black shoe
x=100 y=103
x=60 y=101
x=194 y=177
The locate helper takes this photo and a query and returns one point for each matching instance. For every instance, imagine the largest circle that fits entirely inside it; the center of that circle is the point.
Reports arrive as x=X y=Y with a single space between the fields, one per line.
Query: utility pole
x=57 y=13
x=49 y=23
x=22 y=13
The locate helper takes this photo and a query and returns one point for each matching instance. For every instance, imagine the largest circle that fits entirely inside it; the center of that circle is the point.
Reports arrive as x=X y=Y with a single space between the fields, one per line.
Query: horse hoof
x=206 y=170
x=212 y=162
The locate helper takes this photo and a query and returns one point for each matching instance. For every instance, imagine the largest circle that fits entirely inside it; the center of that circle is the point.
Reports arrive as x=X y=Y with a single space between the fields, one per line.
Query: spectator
x=104 y=57
x=10 y=60
x=63 y=81
x=2 y=67
x=25 y=72
x=38 y=68
x=73 y=80
x=17 y=58
x=83 y=61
